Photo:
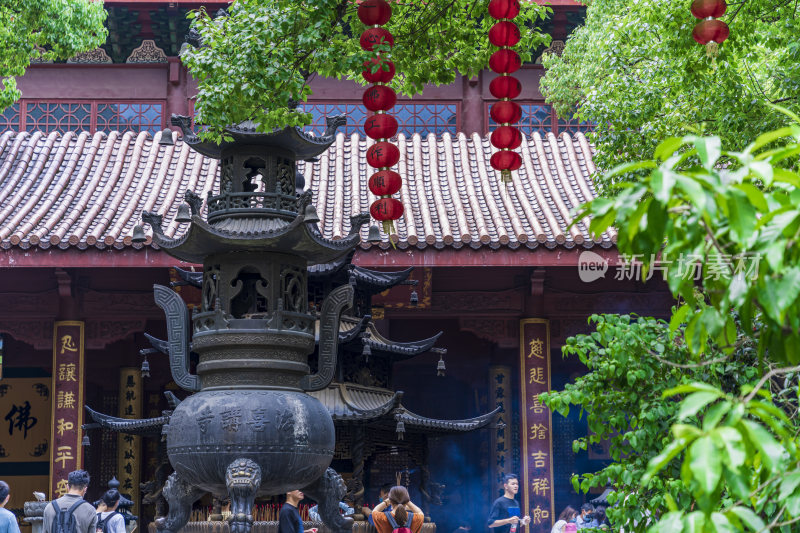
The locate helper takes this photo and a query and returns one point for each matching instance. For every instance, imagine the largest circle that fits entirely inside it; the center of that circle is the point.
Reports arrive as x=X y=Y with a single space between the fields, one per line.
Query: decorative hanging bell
x=85 y=441
x=374 y=234
x=311 y=214
x=414 y=298
x=400 y=429
x=184 y=213
x=145 y=368
x=440 y=368
x=138 y=234
x=166 y=138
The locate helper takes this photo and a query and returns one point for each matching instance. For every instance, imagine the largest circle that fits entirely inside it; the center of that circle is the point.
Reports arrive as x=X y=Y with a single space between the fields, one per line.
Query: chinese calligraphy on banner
x=129 y=458
x=537 y=443
x=67 y=404
x=499 y=389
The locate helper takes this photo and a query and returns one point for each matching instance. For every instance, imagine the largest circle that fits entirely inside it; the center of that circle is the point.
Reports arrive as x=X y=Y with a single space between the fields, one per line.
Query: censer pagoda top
x=257 y=208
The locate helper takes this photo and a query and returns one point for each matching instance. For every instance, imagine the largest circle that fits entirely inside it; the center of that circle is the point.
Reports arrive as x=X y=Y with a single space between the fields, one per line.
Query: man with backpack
x=111 y=520
x=71 y=513
x=8 y=522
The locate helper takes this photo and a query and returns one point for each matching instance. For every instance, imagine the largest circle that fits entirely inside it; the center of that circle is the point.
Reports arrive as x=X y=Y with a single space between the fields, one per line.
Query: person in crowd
x=344 y=509
x=289 y=520
x=586 y=518
x=85 y=515
x=600 y=518
x=403 y=512
x=567 y=516
x=8 y=522
x=110 y=520
x=505 y=514
x=383 y=493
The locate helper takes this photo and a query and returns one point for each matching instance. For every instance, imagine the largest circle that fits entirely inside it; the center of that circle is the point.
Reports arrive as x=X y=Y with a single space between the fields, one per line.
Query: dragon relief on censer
x=277 y=299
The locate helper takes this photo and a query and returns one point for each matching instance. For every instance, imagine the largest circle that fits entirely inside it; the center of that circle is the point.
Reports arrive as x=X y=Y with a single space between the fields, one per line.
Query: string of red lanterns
x=505 y=34
x=709 y=31
x=380 y=98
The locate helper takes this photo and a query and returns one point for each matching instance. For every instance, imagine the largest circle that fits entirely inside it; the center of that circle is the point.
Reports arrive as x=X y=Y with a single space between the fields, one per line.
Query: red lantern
x=506 y=137
x=505 y=87
x=506 y=160
x=708 y=8
x=383 y=155
x=503 y=33
x=385 y=183
x=380 y=126
x=386 y=209
x=505 y=61
x=375 y=36
x=379 y=98
x=374 y=12
x=710 y=30
x=503 y=9
x=380 y=75
x=506 y=112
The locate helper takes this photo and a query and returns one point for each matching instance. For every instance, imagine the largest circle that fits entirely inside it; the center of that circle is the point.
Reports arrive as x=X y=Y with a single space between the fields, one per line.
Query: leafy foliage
x=635 y=71
x=632 y=363
x=261 y=55
x=705 y=206
x=62 y=28
x=737 y=223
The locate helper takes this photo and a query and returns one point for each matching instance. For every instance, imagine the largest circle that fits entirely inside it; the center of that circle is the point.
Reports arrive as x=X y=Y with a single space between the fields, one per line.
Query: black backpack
x=64 y=521
x=102 y=525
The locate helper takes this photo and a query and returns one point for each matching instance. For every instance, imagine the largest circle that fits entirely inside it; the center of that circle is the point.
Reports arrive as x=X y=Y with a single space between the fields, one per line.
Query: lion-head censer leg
x=180 y=496
x=328 y=490
x=243 y=478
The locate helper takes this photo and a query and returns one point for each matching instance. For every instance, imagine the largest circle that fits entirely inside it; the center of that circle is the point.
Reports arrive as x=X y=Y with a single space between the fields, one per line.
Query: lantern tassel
x=505 y=177
x=388 y=229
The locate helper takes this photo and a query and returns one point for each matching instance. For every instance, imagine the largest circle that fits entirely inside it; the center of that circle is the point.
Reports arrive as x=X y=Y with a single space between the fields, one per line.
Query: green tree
x=261 y=55
x=734 y=216
x=632 y=362
x=635 y=71
x=61 y=28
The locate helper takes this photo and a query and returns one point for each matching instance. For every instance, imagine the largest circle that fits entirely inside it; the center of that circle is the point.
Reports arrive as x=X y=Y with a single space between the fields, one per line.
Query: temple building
x=457 y=325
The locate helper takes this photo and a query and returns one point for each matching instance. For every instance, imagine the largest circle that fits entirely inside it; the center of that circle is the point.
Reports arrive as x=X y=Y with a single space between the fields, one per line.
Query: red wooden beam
x=468 y=257
x=450 y=257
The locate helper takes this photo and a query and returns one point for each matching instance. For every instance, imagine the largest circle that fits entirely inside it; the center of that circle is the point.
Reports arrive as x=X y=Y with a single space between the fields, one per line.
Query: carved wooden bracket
x=503 y=332
x=38 y=332
x=101 y=333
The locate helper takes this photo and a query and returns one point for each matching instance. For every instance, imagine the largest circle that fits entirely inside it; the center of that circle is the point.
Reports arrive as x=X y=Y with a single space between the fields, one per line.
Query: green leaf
x=667 y=147
x=730 y=440
x=695 y=402
x=789 y=485
x=708 y=149
x=661 y=460
x=750 y=519
x=761 y=439
x=705 y=464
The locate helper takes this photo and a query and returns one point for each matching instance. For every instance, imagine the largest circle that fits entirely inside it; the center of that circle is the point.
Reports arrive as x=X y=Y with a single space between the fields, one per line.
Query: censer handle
x=338 y=300
x=178 y=336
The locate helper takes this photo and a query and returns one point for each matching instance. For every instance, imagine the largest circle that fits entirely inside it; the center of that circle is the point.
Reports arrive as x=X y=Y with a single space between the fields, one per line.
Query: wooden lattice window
x=540 y=118
x=355 y=111
x=427 y=117
x=9 y=118
x=48 y=116
x=130 y=116
x=58 y=116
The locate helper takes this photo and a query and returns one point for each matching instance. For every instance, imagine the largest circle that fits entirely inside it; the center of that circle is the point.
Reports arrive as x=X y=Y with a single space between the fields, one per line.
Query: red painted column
x=473 y=118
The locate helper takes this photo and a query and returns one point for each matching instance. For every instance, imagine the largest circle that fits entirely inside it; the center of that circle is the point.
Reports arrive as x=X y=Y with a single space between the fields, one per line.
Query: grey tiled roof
x=82 y=190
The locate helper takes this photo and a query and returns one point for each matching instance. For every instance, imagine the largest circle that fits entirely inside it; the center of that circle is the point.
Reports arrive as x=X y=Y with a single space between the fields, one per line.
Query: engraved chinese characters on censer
x=250 y=429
